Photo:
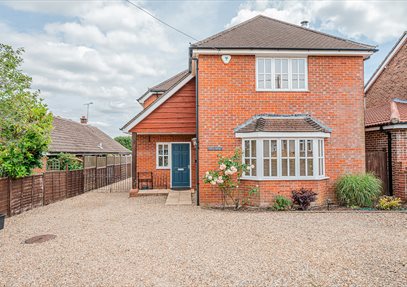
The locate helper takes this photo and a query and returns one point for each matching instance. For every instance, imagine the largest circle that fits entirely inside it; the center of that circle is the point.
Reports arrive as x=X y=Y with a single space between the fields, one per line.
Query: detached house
x=386 y=120
x=289 y=97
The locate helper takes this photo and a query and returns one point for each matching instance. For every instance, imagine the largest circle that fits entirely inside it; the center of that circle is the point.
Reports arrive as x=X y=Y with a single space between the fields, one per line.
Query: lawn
x=107 y=239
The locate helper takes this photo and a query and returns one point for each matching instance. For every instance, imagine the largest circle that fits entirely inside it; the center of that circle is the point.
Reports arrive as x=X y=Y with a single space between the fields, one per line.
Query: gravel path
x=110 y=240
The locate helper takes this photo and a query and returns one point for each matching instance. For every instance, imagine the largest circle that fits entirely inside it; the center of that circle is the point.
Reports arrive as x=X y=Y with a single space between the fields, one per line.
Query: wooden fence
x=19 y=195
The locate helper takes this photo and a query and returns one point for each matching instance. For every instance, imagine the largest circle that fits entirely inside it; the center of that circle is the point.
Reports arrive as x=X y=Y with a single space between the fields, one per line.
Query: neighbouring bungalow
x=79 y=139
x=386 y=120
x=289 y=97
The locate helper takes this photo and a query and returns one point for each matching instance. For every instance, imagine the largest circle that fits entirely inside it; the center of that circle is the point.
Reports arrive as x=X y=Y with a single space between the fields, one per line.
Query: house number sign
x=215 y=148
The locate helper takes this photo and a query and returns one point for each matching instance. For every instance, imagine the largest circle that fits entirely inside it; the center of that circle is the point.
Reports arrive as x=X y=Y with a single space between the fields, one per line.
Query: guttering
x=197 y=123
x=282 y=52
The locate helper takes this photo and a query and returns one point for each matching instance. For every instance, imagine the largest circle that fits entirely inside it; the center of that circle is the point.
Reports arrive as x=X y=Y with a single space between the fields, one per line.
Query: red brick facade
x=228 y=97
x=391 y=83
x=146 y=157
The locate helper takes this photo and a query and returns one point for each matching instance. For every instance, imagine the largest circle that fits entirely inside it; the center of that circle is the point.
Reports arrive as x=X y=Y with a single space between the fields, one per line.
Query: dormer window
x=281 y=74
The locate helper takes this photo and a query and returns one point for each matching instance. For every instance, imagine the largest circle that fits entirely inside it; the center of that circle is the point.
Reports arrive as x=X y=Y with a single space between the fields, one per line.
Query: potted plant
x=2 y=216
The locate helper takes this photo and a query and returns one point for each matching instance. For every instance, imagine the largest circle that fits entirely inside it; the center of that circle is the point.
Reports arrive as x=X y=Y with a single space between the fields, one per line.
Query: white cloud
x=104 y=55
x=379 y=21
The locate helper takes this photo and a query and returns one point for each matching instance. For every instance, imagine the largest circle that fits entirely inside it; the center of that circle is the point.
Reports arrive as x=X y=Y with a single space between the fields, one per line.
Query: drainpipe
x=197 y=121
x=390 y=162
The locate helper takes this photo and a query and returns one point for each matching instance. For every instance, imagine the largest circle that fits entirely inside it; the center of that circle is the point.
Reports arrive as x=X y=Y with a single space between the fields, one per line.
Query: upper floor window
x=281 y=74
x=163 y=155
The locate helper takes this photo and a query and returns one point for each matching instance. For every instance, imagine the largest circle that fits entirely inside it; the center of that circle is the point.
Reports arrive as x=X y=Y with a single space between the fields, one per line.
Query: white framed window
x=163 y=155
x=281 y=74
x=250 y=156
x=284 y=158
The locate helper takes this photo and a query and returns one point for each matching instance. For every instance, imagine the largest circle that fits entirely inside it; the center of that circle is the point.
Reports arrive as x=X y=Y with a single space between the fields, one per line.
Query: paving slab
x=179 y=197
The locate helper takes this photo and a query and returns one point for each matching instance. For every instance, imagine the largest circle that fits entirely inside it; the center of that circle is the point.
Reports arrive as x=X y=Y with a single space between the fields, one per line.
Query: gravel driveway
x=111 y=240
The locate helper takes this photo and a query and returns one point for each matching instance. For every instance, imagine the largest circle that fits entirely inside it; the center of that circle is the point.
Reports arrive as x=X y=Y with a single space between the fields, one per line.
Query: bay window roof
x=273 y=123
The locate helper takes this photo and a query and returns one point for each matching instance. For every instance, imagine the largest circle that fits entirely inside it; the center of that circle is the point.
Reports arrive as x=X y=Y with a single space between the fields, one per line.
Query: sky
x=109 y=52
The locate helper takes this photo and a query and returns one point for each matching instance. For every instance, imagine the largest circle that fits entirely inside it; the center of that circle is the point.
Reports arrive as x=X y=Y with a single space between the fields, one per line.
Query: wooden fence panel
x=376 y=162
x=4 y=195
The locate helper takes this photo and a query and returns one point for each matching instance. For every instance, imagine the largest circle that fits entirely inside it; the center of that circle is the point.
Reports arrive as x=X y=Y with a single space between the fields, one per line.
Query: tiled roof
x=282 y=123
x=73 y=137
x=392 y=113
x=262 y=32
x=166 y=85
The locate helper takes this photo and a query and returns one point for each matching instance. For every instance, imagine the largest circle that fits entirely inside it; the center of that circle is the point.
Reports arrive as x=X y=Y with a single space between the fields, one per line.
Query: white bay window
x=284 y=158
x=281 y=74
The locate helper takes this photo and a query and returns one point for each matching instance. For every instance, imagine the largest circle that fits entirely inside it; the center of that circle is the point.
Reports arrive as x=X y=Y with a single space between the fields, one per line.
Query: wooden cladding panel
x=177 y=114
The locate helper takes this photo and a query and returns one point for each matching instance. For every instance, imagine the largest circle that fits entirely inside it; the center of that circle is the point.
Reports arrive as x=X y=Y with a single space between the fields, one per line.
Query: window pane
x=260 y=81
x=266 y=148
x=302 y=167
x=273 y=148
x=292 y=167
x=292 y=148
x=260 y=65
x=284 y=65
x=301 y=83
x=295 y=81
x=284 y=148
x=253 y=154
x=266 y=168
x=309 y=148
x=253 y=170
x=166 y=149
x=247 y=161
x=166 y=161
x=278 y=66
x=321 y=166
x=302 y=148
x=246 y=148
x=268 y=81
x=310 y=167
x=274 y=167
x=284 y=167
x=301 y=63
x=278 y=81
x=160 y=161
x=268 y=66
x=294 y=66
x=284 y=84
x=160 y=149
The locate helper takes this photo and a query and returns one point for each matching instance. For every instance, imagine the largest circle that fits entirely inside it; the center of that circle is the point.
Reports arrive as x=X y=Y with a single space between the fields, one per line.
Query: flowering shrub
x=227 y=178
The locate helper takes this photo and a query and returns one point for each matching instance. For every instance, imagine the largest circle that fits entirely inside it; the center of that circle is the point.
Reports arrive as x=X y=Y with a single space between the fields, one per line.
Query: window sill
x=285 y=178
x=160 y=167
x=283 y=91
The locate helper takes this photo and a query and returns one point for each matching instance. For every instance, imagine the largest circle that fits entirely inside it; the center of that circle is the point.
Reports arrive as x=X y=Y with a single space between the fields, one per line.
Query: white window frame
x=168 y=144
x=273 y=88
x=316 y=144
x=250 y=157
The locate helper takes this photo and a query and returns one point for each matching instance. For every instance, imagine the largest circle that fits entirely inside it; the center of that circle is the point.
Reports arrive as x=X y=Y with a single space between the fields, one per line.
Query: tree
x=124 y=141
x=25 y=122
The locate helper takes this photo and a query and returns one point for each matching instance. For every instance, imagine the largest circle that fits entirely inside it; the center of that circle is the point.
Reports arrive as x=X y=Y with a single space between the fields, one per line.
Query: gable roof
x=282 y=123
x=145 y=112
x=163 y=86
x=73 y=137
x=394 y=112
x=386 y=61
x=262 y=32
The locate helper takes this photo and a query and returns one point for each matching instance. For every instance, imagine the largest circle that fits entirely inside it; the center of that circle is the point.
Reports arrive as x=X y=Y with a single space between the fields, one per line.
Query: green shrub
x=389 y=203
x=358 y=189
x=281 y=203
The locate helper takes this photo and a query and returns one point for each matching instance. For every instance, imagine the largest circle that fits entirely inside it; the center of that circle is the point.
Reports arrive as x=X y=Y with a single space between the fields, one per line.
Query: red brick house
x=289 y=97
x=386 y=118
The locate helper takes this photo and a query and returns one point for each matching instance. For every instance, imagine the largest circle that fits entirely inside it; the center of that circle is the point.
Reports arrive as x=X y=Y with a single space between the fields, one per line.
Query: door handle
x=180 y=169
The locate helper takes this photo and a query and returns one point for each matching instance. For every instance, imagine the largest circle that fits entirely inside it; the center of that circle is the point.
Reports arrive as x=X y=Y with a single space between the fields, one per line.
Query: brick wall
x=376 y=141
x=391 y=83
x=399 y=162
x=146 y=155
x=227 y=98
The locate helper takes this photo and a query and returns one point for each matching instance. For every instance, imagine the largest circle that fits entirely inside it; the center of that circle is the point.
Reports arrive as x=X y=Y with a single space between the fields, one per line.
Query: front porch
x=174 y=197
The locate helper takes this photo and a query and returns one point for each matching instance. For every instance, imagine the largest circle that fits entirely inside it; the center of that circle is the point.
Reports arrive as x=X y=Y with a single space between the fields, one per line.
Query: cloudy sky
x=109 y=52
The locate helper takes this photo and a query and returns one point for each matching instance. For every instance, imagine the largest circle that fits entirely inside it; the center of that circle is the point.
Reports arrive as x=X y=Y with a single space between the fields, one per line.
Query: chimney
x=84 y=120
x=305 y=24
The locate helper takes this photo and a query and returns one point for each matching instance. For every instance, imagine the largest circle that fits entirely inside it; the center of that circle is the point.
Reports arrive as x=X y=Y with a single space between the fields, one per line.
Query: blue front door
x=180 y=165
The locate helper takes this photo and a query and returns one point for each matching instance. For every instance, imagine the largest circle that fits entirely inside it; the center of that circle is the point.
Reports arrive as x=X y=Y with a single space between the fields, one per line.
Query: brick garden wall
x=228 y=97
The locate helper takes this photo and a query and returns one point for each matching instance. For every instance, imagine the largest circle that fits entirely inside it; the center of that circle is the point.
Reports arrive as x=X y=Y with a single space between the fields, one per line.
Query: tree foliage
x=124 y=141
x=25 y=123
